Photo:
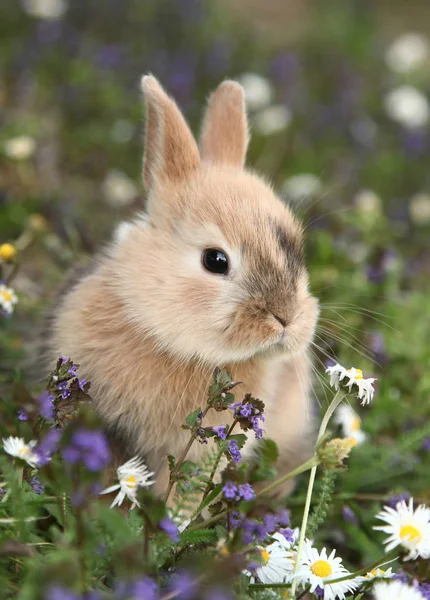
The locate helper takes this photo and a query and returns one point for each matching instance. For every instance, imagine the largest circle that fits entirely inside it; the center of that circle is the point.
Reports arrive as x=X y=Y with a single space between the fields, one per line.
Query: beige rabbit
x=212 y=274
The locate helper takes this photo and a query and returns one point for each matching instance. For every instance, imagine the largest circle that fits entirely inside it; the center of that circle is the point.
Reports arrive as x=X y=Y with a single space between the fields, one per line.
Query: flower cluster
x=88 y=447
x=234 y=493
x=363 y=387
x=249 y=414
x=65 y=391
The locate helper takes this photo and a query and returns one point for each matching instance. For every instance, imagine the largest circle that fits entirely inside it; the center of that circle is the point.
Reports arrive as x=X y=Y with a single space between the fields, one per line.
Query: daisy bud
x=7 y=253
x=333 y=453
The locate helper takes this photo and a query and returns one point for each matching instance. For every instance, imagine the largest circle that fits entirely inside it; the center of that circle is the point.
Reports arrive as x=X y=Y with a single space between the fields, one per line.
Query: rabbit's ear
x=171 y=151
x=224 y=136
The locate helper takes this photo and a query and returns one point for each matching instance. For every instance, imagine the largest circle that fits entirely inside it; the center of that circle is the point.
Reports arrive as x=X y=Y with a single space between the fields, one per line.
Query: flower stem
x=339 y=396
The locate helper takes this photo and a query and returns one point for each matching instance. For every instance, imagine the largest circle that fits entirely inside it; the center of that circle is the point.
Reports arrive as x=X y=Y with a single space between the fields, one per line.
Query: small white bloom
x=258 y=90
x=408 y=106
x=348 y=419
x=377 y=574
x=8 y=299
x=368 y=202
x=20 y=148
x=119 y=189
x=317 y=570
x=396 y=590
x=272 y=119
x=419 y=209
x=278 y=565
x=131 y=475
x=408 y=52
x=302 y=186
x=122 y=131
x=408 y=528
x=17 y=447
x=49 y=10
x=355 y=377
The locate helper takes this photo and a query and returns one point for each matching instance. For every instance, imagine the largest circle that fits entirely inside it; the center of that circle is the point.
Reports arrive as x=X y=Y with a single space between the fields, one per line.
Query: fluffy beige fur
x=149 y=324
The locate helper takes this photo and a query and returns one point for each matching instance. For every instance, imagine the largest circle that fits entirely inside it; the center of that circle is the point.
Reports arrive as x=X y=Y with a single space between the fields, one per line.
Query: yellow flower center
x=7 y=252
x=355 y=424
x=23 y=451
x=321 y=568
x=358 y=373
x=224 y=550
x=130 y=482
x=264 y=555
x=6 y=295
x=376 y=573
x=410 y=533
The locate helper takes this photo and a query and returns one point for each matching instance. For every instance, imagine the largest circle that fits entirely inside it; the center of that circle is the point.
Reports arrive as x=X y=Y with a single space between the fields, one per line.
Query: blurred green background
x=338 y=96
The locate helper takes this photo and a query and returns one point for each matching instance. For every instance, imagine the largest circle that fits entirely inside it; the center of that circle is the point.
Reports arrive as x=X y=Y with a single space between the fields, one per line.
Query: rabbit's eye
x=215 y=261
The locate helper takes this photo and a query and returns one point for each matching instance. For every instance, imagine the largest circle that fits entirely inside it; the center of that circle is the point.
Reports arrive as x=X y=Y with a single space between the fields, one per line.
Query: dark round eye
x=215 y=261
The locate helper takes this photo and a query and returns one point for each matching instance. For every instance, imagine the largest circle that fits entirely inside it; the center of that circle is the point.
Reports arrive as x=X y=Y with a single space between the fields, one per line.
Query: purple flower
x=246 y=492
x=89 y=447
x=234 y=519
x=230 y=490
x=270 y=523
x=22 y=415
x=2 y=491
x=256 y=426
x=319 y=592
x=349 y=515
x=288 y=534
x=284 y=517
x=48 y=445
x=46 y=406
x=401 y=577
x=221 y=431
x=245 y=410
x=233 y=448
x=184 y=586
x=144 y=589
x=394 y=500
x=424 y=588
x=36 y=485
x=169 y=527
x=60 y=593
x=426 y=444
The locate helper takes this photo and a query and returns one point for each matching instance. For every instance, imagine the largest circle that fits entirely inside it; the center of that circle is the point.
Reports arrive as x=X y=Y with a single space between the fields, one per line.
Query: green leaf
x=240 y=439
x=201 y=536
x=193 y=417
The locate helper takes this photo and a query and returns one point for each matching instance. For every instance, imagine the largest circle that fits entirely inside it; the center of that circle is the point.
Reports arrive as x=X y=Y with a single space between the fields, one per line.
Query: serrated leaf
x=240 y=438
x=201 y=536
x=193 y=417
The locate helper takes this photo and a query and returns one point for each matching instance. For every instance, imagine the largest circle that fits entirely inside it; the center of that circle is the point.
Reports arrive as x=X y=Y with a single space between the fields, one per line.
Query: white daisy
x=131 y=475
x=302 y=186
x=348 y=419
x=272 y=119
x=278 y=565
x=408 y=528
x=8 y=298
x=396 y=590
x=317 y=570
x=408 y=106
x=355 y=377
x=16 y=446
x=408 y=52
x=20 y=148
x=258 y=90
x=377 y=574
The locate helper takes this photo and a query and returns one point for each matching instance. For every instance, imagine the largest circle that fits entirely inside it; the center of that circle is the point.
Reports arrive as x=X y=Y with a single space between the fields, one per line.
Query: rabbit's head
x=214 y=268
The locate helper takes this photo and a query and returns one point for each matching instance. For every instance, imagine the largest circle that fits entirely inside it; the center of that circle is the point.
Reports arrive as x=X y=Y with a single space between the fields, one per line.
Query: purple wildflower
x=426 y=444
x=394 y=500
x=60 y=593
x=234 y=519
x=46 y=405
x=424 y=588
x=230 y=490
x=36 y=485
x=349 y=515
x=82 y=383
x=270 y=523
x=184 y=585
x=246 y=492
x=144 y=589
x=89 y=447
x=22 y=415
x=246 y=410
x=256 y=426
x=48 y=446
x=284 y=517
x=221 y=431
x=319 y=592
x=253 y=567
x=288 y=534
x=2 y=491
x=401 y=577
x=233 y=448
x=170 y=528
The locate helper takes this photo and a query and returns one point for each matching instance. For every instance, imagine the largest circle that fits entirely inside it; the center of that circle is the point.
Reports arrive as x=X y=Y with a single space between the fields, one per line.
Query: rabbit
x=211 y=274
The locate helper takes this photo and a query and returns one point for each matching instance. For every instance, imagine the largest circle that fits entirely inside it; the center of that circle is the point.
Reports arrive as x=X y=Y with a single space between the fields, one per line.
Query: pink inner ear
x=224 y=135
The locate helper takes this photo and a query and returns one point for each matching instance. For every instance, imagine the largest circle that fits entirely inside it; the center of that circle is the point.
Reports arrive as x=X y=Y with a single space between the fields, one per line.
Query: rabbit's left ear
x=224 y=137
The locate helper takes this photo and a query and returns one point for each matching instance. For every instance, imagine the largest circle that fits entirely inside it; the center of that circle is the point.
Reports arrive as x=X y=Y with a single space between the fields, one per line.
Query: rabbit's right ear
x=171 y=151
x=224 y=136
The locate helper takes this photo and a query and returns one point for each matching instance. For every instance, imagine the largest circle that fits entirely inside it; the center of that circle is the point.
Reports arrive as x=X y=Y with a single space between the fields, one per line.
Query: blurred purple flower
x=288 y=534
x=184 y=585
x=319 y=592
x=233 y=448
x=377 y=346
x=217 y=595
x=246 y=492
x=424 y=588
x=245 y=410
x=89 y=447
x=48 y=445
x=144 y=589
x=285 y=67
x=110 y=56
x=181 y=79
x=401 y=577
x=230 y=490
x=22 y=415
x=60 y=593
x=270 y=523
x=394 y=500
x=284 y=517
x=46 y=406
x=170 y=528
x=349 y=515
x=426 y=445
x=36 y=485
x=415 y=142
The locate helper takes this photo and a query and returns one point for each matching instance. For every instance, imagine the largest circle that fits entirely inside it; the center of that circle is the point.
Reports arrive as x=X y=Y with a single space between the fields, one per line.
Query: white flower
x=407 y=527
x=317 y=570
x=303 y=185
x=272 y=119
x=131 y=475
x=258 y=90
x=408 y=52
x=20 y=148
x=45 y=9
x=118 y=189
x=419 y=209
x=348 y=419
x=355 y=377
x=16 y=446
x=396 y=590
x=368 y=202
x=408 y=106
x=278 y=565
x=378 y=574
x=8 y=298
